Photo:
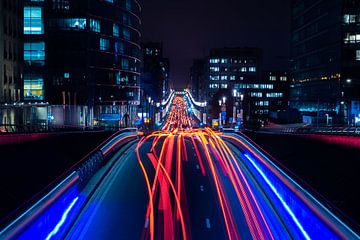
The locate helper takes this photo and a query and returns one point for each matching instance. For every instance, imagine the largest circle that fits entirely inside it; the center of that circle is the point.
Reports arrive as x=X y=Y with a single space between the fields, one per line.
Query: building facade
x=197 y=84
x=325 y=49
x=155 y=78
x=83 y=53
x=236 y=75
x=11 y=50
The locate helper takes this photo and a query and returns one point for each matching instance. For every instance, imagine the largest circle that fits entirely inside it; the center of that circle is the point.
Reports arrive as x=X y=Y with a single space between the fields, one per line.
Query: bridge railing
x=309 y=218
x=198 y=108
x=51 y=212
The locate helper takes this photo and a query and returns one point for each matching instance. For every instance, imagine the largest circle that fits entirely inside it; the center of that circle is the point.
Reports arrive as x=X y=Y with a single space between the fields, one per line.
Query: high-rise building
x=236 y=75
x=155 y=71
x=197 y=83
x=80 y=52
x=10 y=50
x=325 y=49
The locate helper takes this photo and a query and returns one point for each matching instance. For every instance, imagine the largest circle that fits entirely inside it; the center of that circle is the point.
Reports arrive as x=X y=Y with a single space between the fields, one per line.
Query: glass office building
x=80 y=52
x=325 y=48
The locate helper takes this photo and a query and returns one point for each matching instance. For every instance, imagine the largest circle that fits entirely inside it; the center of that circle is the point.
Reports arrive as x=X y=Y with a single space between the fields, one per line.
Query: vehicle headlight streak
x=286 y=206
x=62 y=220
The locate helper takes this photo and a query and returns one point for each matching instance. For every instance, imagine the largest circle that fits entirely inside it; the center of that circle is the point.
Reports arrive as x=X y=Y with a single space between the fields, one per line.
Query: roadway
x=183 y=182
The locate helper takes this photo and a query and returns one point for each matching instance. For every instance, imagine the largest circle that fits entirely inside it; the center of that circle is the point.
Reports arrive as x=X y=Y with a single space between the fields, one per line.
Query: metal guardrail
x=48 y=210
x=353 y=131
x=40 y=128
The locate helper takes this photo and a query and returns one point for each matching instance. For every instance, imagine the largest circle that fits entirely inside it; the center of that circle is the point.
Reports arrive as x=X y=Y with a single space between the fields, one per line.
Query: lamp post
x=220 y=104
x=224 y=104
x=149 y=101
x=235 y=94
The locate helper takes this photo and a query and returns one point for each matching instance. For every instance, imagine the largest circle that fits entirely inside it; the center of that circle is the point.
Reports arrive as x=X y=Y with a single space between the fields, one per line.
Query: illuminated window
x=357 y=55
x=232 y=77
x=126 y=34
x=119 y=47
x=272 y=78
x=214 y=69
x=213 y=86
x=350 y=18
x=283 y=78
x=116 y=30
x=214 y=60
x=33 y=87
x=34 y=53
x=243 y=69
x=256 y=94
x=95 y=25
x=274 y=95
x=252 y=69
x=224 y=60
x=352 y=38
x=224 y=85
x=33 y=21
x=224 y=78
x=117 y=77
x=68 y=23
x=104 y=44
x=125 y=64
x=214 y=78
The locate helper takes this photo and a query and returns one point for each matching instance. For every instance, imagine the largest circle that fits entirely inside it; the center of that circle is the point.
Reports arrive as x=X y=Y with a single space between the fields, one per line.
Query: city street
x=192 y=184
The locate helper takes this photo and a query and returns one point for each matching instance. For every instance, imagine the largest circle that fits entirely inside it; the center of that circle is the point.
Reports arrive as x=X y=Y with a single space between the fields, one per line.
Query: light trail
x=235 y=185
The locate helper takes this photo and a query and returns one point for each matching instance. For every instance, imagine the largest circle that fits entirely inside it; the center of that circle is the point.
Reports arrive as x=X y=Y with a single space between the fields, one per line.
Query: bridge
x=179 y=182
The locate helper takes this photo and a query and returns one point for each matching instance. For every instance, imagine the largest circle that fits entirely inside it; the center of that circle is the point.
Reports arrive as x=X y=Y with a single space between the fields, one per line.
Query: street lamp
x=149 y=101
x=235 y=93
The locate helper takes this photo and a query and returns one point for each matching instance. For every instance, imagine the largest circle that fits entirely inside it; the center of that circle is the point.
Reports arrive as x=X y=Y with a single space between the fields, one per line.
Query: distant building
x=325 y=49
x=237 y=74
x=198 y=82
x=78 y=52
x=155 y=71
x=11 y=13
x=278 y=97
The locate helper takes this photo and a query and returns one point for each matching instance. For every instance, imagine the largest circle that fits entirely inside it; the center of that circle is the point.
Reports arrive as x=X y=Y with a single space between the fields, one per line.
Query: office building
x=155 y=71
x=325 y=49
x=197 y=84
x=11 y=50
x=236 y=75
x=81 y=53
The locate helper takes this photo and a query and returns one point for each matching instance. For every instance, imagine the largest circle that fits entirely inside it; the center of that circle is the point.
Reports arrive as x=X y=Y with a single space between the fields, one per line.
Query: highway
x=184 y=182
x=189 y=183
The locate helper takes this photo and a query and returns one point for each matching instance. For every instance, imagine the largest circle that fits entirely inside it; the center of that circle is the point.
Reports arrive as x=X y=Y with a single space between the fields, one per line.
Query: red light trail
x=167 y=208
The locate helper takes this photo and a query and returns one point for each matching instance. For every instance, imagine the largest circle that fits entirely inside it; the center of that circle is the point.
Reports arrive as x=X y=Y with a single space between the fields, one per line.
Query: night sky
x=189 y=28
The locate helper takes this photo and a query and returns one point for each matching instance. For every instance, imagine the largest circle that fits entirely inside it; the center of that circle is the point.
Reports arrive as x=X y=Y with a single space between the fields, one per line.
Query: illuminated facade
x=237 y=74
x=326 y=57
x=77 y=53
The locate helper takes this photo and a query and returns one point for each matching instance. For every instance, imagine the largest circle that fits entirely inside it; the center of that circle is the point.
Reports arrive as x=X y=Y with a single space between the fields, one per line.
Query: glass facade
x=34 y=53
x=33 y=87
x=33 y=20
x=324 y=43
x=76 y=52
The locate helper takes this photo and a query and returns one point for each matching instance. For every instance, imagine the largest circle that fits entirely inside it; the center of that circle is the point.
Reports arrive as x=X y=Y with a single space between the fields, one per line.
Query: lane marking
x=147 y=223
x=208 y=225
